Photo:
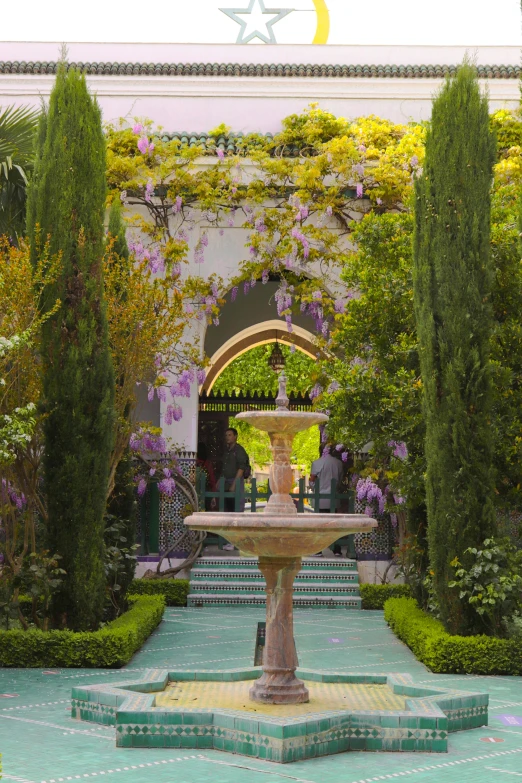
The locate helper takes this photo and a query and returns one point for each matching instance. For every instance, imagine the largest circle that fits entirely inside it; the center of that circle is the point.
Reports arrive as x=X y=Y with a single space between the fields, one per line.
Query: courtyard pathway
x=41 y=744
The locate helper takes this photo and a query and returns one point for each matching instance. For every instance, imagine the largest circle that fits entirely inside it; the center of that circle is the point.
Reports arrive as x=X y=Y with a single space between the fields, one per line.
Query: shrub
x=112 y=646
x=175 y=591
x=444 y=653
x=374 y=596
x=492 y=585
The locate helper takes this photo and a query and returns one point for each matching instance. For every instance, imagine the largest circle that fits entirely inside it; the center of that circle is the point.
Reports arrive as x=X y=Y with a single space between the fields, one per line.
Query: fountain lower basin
x=267 y=535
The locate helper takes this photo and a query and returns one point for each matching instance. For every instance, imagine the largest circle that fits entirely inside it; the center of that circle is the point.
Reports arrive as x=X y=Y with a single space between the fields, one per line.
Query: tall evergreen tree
x=452 y=285
x=68 y=204
x=122 y=508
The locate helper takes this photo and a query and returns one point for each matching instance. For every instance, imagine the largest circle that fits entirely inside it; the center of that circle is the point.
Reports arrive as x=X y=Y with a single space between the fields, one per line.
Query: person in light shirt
x=324 y=470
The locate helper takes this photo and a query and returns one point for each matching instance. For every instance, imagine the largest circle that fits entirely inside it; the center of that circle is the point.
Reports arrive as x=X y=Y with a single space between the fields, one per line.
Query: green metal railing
x=250 y=494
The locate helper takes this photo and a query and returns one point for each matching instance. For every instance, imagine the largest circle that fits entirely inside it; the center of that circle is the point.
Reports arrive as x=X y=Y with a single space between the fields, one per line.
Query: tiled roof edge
x=263 y=70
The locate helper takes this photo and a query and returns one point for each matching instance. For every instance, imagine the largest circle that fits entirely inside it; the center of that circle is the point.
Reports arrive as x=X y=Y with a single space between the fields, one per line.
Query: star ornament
x=254 y=23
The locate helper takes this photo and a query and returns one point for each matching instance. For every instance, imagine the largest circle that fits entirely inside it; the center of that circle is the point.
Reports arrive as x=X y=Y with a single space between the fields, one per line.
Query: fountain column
x=278 y=683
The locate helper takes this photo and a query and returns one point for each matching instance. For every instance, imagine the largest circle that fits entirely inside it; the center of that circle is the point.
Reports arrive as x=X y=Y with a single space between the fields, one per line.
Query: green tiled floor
x=40 y=742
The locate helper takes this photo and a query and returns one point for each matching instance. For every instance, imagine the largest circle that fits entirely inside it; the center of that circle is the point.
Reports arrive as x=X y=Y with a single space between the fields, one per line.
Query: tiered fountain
x=280 y=537
x=182 y=708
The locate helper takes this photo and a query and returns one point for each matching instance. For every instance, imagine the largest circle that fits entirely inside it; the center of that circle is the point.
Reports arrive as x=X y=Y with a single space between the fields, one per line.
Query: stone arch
x=257 y=334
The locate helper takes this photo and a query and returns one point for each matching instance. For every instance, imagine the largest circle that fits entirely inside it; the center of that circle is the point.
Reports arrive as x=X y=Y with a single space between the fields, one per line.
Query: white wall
x=252 y=103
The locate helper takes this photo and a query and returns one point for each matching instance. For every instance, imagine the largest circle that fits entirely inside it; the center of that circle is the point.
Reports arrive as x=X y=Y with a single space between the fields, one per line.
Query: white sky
x=398 y=22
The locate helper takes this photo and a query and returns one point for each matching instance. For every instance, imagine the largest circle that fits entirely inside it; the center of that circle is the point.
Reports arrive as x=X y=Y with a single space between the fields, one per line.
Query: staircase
x=237 y=581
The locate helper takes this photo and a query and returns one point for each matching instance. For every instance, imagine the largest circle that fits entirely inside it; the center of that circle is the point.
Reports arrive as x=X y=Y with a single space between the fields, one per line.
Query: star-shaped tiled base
x=423 y=725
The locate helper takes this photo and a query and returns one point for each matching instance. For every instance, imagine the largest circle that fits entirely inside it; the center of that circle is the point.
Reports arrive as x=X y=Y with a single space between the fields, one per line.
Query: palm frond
x=17 y=128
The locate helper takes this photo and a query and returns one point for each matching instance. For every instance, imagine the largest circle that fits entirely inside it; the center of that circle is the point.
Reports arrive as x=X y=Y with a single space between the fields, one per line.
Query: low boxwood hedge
x=175 y=591
x=447 y=654
x=112 y=646
x=374 y=596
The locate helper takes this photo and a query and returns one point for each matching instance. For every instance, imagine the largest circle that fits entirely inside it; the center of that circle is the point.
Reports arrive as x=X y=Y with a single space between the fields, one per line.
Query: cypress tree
x=452 y=286
x=122 y=506
x=68 y=203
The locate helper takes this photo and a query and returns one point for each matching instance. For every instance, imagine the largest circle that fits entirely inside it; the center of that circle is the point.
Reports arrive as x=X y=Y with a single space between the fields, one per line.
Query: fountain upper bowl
x=267 y=535
x=282 y=421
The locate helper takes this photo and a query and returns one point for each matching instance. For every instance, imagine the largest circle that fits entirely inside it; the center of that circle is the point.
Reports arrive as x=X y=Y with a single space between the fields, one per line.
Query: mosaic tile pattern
x=172 y=528
x=378 y=543
x=421 y=723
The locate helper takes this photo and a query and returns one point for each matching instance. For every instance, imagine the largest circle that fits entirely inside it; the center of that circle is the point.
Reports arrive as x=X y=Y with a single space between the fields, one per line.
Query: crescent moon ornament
x=323 y=22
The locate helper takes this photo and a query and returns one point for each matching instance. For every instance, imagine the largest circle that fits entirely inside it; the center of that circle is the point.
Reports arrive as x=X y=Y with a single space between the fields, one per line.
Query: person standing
x=324 y=470
x=236 y=467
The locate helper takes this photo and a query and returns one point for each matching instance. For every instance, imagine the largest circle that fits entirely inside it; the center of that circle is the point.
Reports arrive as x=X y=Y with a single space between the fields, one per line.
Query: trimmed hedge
x=374 y=596
x=175 y=591
x=112 y=646
x=447 y=654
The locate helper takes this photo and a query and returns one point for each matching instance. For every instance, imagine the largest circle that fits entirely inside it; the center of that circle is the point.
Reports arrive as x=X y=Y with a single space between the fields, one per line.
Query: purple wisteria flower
x=359 y=190
x=137 y=129
x=167 y=486
x=400 y=450
x=265 y=274
x=142 y=487
x=220 y=153
x=329 y=211
x=333 y=387
x=233 y=293
x=367 y=489
x=178 y=203
x=201 y=376
x=315 y=391
x=143 y=145
x=344 y=456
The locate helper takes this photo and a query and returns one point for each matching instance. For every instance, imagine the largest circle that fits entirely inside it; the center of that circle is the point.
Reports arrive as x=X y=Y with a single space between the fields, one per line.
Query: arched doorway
x=218 y=407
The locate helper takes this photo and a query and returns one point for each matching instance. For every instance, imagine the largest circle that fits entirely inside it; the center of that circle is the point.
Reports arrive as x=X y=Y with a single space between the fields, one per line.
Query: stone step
x=300 y=588
x=333 y=602
x=335 y=576
x=313 y=563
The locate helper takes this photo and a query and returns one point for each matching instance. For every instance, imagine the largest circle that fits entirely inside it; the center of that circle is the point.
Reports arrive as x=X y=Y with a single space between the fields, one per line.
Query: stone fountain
x=207 y=709
x=280 y=538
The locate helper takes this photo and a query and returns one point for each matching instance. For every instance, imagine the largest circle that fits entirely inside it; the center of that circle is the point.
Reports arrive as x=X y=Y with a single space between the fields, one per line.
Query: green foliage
x=17 y=130
x=491 y=584
x=250 y=373
x=453 y=278
x=374 y=596
x=111 y=647
x=68 y=203
x=174 y=591
x=120 y=560
x=447 y=654
x=116 y=230
x=120 y=534
x=17 y=425
x=41 y=578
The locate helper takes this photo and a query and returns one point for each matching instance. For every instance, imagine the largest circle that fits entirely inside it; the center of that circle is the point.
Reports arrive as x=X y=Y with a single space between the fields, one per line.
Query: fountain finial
x=282 y=400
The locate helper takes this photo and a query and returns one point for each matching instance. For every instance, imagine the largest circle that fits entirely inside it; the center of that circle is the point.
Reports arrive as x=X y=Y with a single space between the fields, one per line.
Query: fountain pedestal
x=278 y=683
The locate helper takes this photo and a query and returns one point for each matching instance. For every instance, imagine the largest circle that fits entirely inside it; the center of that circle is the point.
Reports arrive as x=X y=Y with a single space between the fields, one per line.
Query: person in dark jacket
x=235 y=465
